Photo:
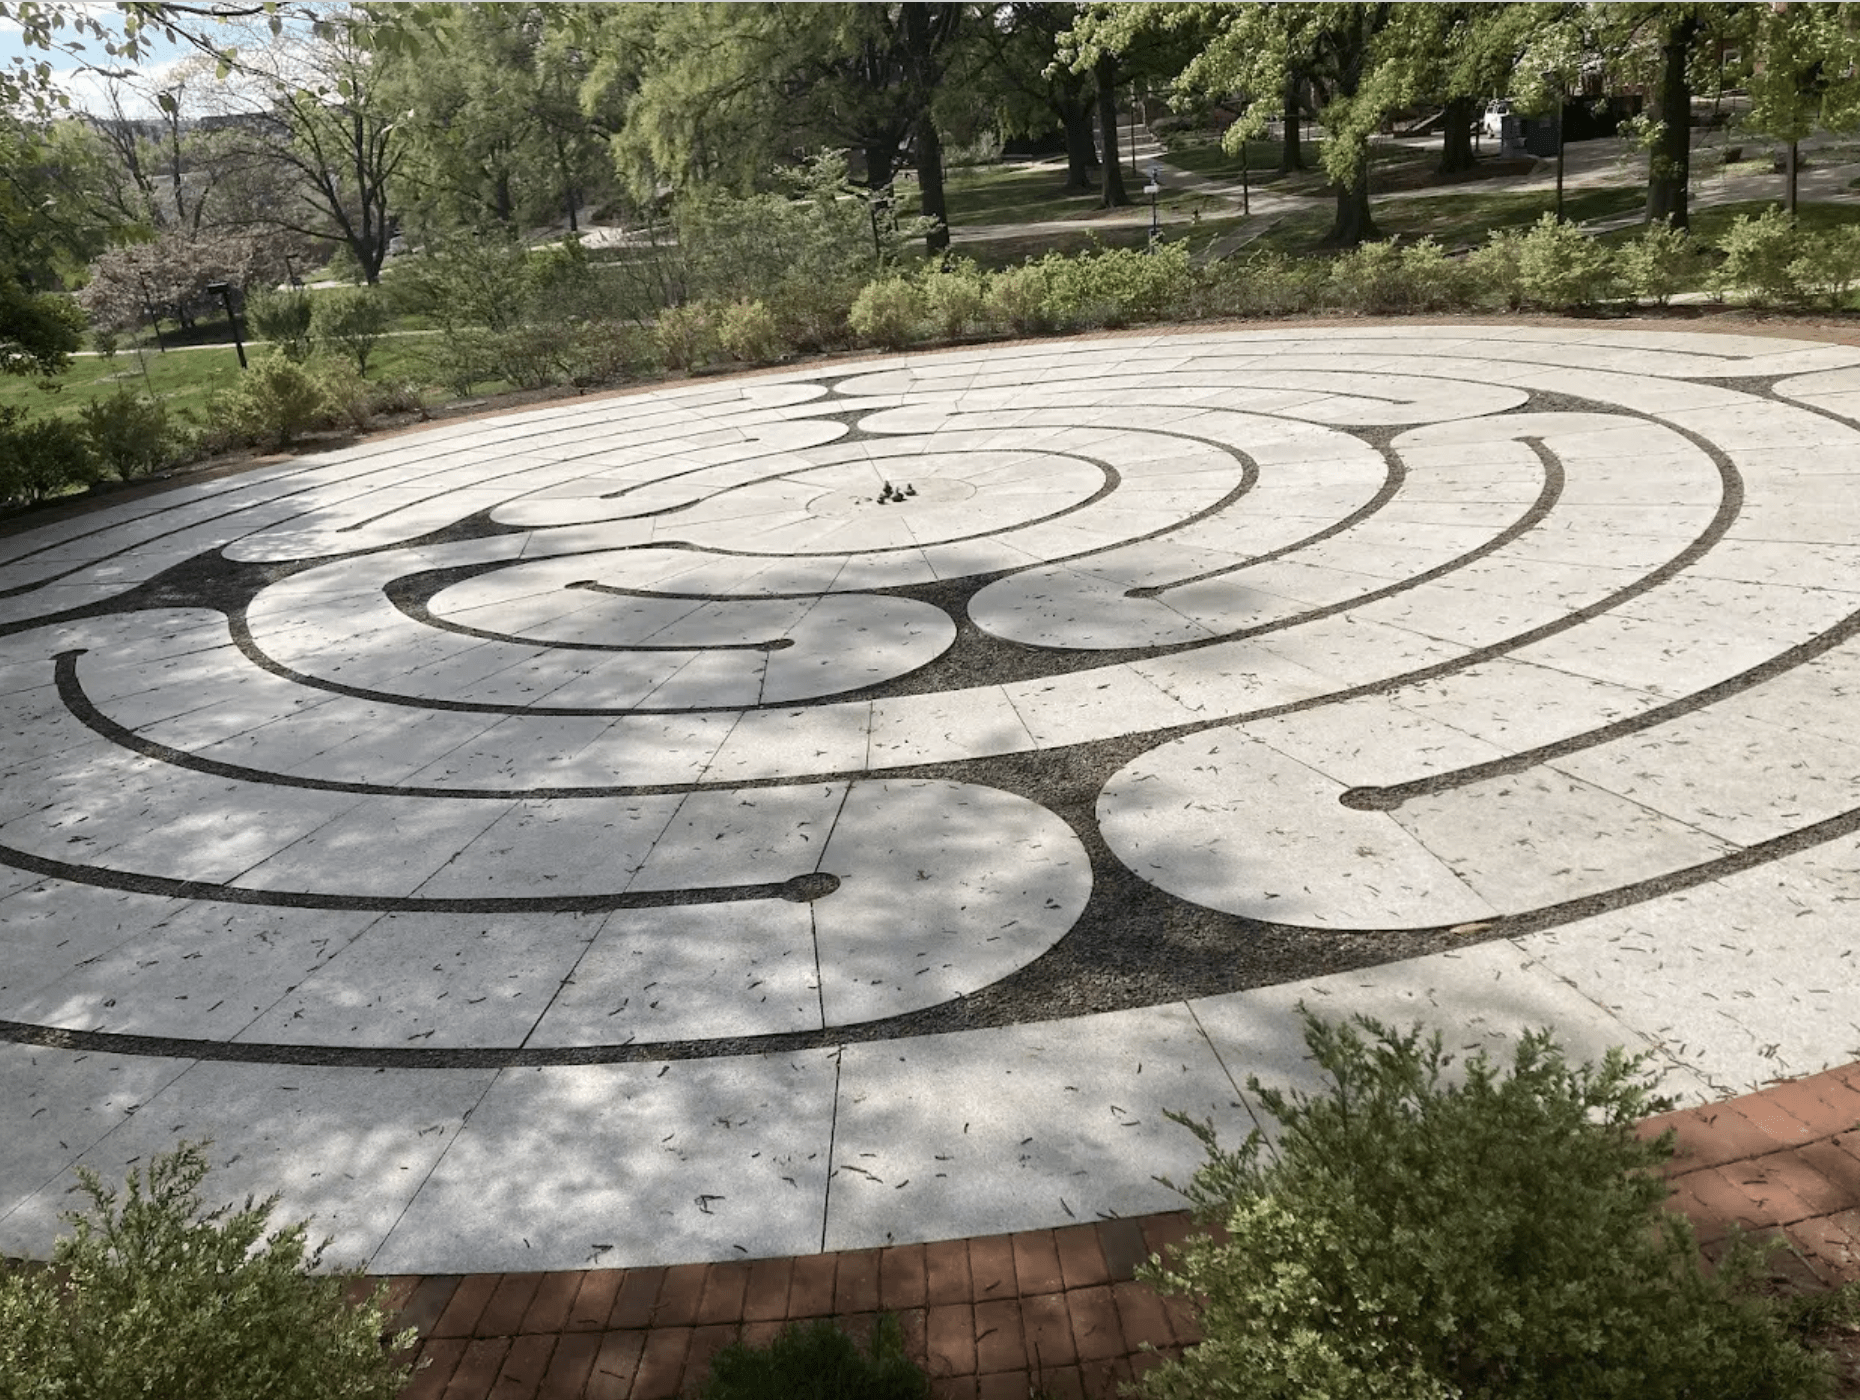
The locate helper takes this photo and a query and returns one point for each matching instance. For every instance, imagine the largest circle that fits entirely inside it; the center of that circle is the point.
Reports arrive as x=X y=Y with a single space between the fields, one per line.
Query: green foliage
x=1658 y=263
x=1385 y=278
x=1760 y=258
x=955 y=297
x=1017 y=298
x=817 y=1361
x=128 y=433
x=283 y=319
x=350 y=321
x=152 y=1296
x=1115 y=286
x=686 y=337
x=1263 y=283
x=1495 y=268
x=1829 y=265
x=41 y=457
x=38 y=331
x=104 y=341
x=465 y=281
x=747 y=330
x=345 y=394
x=1413 y=1238
x=1559 y=266
x=275 y=400
x=889 y=312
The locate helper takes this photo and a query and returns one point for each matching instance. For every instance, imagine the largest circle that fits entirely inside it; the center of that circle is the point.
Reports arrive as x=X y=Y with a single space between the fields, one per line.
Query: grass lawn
x=1009 y=194
x=184 y=378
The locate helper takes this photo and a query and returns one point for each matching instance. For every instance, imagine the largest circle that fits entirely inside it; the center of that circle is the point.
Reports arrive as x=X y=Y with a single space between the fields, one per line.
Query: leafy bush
x=1495 y=268
x=1414 y=1239
x=104 y=341
x=1658 y=263
x=282 y=318
x=464 y=358
x=466 y=281
x=128 y=433
x=275 y=400
x=41 y=457
x=686 y=336
x=534 y=354
x=346 y=395
x=747 y=331
x=151 y=1296
x=1383 y=278
x=955 y=297
x=1760 y=255
x=1829 y=265
x=1115 y=286
x=610 y=352
x=817 y=1361
x=1560 y=266
x=350 y=321
x=1017 y=298
x=1262 y=284
x=889 y=312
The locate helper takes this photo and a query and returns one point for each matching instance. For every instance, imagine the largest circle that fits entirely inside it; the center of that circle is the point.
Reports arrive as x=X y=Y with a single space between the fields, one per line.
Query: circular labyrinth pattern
x=851 y=804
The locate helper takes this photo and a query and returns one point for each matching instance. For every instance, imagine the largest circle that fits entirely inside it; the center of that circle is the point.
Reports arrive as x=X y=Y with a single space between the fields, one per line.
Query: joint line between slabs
x=833 y=1128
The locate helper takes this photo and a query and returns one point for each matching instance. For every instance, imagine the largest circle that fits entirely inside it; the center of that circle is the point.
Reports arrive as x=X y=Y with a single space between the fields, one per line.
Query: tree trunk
x=1456 y=151
x=1291 y=150
x=881 y=163
x=1354 y=223
x=1081 y=150
x=1113 y=196
x=930 y=184
x=1795 y=166
x=1669 y=166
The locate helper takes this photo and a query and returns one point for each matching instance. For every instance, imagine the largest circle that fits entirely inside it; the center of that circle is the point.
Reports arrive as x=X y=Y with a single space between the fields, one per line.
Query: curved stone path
x=847 y=807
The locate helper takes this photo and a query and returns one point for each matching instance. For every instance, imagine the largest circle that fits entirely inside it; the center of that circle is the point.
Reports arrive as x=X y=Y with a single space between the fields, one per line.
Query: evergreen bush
x=349 y=321
x=817 y=1361
x=1761 y=259
x=154 y=1297
x=41 y=457
x=1658 y=263
x=283 y=319
x=1501 y=1237
x=747 y=331
x=275 y=399
x=889 y=312
x=128 y=433
x=1560 y=267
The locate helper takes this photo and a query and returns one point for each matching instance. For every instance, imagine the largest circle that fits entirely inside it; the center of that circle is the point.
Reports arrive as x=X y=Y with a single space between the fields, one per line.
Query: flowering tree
x=169 y=277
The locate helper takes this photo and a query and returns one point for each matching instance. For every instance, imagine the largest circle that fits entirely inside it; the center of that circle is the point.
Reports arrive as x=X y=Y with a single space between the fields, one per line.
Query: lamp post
x=1555 y=85
x=223 y=290
x=1153 y=189
x=290 y=272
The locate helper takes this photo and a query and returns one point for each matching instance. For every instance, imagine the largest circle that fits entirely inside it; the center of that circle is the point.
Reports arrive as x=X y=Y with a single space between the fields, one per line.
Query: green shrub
x=1495 y=268
x=1017 y=298
x=686 y=336
x=533 y=355
x=1560 y=266
x=1115 y=286
x=346 y=395
x=104 y=341
x=275 y=400
x=1414 y=1239
x=956 y=298
x=1829 y=265
x=1263 y=284
x=151 y=1296
x=128 y=433
x=41 y=457
x=283 y=319
x=464 y=358
x=1658 y=263
x=611 y=352
x=817 y=1361
x=889 y=312
x=747 y=330
x=1435 y=282
x=350 y=321
x=1760 y=256
x=1379 y=279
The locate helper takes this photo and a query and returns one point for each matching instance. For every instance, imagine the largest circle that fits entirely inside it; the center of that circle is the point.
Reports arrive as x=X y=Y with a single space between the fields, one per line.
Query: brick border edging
x=1055 y=1312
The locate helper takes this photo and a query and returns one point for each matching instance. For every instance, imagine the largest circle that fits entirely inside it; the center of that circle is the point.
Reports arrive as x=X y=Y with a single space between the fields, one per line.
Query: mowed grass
x=1019 y=195
x=185 y=378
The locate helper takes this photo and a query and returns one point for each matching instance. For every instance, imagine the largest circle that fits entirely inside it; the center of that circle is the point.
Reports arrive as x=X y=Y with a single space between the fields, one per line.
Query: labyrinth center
x=852 y=804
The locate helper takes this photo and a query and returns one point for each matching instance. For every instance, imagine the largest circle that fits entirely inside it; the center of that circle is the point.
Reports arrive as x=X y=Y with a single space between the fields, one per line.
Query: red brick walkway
x=1048 y=1312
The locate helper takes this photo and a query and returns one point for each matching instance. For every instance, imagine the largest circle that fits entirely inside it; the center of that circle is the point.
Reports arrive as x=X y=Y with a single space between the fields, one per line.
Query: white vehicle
x=1493 y=122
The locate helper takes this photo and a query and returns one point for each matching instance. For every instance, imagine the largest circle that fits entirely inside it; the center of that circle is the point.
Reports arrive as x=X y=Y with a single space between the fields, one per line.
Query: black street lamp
x=223 y=290
x=1153 y=189
x=1555 y=85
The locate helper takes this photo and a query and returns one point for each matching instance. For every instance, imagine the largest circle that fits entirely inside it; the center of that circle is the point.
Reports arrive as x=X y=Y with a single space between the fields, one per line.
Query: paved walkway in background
x=1050 y=1312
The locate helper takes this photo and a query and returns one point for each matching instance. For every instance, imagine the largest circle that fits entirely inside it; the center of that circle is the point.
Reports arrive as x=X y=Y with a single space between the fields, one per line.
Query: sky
x=86 y=88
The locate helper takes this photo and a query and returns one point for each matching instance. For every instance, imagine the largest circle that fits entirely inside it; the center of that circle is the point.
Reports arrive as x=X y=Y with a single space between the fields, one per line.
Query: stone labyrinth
x=800 y=811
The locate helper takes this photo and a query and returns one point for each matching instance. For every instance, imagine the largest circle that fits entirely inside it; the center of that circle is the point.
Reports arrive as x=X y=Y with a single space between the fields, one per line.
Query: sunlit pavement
x=827 y=809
